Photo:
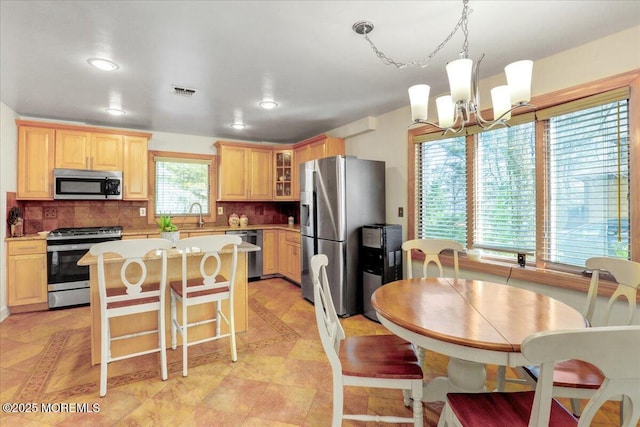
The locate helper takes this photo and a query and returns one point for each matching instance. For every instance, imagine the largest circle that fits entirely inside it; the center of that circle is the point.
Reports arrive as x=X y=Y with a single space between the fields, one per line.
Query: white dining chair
x=209 y=287
x=125 y=292
x=380 y=361
x=431 y=249
x=613 y=349
x=576 y=379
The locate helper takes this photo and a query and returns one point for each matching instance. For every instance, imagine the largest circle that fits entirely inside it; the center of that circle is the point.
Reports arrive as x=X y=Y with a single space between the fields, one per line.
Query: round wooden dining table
x=474 y=322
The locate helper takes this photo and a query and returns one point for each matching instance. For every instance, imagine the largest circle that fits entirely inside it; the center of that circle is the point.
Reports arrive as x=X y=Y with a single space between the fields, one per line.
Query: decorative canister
x=234 y=220
x=290 y=221
x=244 y=221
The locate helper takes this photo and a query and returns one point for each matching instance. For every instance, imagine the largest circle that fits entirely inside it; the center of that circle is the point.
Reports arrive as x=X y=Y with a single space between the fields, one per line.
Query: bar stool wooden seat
x=209 y=288
x=125 y=293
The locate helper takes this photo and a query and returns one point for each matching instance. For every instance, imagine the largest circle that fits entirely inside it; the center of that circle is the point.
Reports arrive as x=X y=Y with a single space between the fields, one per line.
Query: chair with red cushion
x=613 y=349
x=380 y=361
x=210 y=287
x=576 y=379
x=127 y=291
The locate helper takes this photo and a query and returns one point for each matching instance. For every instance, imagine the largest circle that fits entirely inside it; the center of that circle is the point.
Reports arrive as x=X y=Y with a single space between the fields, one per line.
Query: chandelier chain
x=462 y=23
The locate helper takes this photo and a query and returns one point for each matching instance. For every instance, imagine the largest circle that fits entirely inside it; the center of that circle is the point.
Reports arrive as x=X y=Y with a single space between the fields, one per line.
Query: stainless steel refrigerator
x=338 y=195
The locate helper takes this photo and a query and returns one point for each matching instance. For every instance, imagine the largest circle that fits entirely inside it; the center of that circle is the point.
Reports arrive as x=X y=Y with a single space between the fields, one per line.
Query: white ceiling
x=303 y=53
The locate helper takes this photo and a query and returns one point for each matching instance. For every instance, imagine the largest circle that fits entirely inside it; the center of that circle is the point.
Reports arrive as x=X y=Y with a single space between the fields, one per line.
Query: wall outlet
x=220 y=210
x=400 y=212
x=143 y=211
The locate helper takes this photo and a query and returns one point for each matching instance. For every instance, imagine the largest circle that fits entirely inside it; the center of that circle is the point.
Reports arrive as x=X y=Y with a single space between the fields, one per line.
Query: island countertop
x=89 y=259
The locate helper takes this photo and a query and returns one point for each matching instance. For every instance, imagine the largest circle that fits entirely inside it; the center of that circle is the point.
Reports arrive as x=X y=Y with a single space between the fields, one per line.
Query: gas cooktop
x=85 y=232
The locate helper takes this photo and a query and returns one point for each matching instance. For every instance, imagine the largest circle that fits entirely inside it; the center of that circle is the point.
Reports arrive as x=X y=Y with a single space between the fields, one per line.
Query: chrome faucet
x=200 y=221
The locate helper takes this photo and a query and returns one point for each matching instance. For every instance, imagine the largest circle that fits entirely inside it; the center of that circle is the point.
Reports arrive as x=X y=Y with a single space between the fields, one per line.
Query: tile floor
x=284 y=384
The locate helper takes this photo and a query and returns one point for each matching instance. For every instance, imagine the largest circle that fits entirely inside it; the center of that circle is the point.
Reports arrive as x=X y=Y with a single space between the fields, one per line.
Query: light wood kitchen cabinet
x=134 y=168
x=283 y=174
x=244 y=172
x=314 y=148
x=35 y=162
x=290 y=255
x=85 y=150
x=26 y=272
x=270 y=252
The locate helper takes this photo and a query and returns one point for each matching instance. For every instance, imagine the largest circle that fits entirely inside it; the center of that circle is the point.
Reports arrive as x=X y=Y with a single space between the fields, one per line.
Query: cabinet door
x=283 y=175
x=135 y=168
x=35 y=163
x=300 y=155
x=106 y=152
x=72 y=149
x=282 y=252
x=293 y=261
x=260 y=174
x=269 y=252
x=232 y=165
x=318 y=150
x=27 y=279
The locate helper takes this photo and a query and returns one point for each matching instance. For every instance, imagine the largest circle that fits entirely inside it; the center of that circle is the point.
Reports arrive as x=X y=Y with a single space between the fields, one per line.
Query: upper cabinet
x=135 y=168
x=86 y=150
x=244 y=172
x=254 y=172
x=35 y=162
x=45 y=146
x=283 y=174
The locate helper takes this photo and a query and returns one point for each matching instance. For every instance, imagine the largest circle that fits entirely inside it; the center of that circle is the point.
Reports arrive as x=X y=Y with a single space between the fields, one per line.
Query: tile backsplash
x=49 y=215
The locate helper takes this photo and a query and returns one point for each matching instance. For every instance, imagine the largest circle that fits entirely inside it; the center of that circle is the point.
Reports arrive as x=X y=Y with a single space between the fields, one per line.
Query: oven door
x=62 y=266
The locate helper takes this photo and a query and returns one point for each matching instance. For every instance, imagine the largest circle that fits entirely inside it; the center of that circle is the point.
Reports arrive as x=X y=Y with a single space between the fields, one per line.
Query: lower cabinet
x=26 y=272
x=270 y=253
x=291 y=256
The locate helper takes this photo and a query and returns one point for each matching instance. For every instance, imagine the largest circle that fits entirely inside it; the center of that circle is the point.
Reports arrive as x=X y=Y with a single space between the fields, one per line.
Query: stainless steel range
x=68 y=283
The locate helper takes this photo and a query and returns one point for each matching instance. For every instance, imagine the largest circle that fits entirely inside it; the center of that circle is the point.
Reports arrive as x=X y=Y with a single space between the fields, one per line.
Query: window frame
x=540 y=271
x=181 y=220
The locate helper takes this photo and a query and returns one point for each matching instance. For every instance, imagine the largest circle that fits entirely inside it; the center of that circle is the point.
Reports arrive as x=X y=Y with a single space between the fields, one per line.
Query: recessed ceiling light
x=268 y=104
x=103 y=64
x=115 y=111
x=238 y=125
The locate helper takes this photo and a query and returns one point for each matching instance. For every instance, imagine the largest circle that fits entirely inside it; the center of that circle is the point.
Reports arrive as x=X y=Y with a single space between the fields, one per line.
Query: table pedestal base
x=464 y=376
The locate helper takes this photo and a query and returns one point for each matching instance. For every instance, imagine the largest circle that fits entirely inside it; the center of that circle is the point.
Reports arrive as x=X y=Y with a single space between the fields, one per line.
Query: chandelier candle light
x=455 y=110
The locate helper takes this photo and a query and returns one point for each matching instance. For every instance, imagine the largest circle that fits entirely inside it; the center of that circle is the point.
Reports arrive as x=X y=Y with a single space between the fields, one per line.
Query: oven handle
x=71 y=247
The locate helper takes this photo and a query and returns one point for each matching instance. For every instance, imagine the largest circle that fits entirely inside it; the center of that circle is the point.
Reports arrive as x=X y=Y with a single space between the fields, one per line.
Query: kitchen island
x=148 y=320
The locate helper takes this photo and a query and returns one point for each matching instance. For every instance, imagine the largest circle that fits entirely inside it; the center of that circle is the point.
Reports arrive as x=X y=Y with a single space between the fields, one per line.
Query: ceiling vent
x=183 y=91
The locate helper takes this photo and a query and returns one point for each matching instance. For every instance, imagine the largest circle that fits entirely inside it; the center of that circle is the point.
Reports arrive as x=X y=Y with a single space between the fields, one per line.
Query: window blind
x=505 y=190
x=441 y=189
x=180 y=183
x=587 y=182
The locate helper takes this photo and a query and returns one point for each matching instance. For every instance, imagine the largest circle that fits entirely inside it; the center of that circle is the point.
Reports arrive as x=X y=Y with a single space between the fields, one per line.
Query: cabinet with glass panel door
x=283 y=174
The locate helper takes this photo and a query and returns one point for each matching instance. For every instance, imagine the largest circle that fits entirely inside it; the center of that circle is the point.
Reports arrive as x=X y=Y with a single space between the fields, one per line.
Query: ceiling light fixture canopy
x=115 y=111
x=455 y=111
x=103 y=64
x=268 y=104
x=238 y=125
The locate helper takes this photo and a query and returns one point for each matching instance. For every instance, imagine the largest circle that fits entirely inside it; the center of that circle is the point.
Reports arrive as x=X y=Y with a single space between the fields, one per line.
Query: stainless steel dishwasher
x=254 y=259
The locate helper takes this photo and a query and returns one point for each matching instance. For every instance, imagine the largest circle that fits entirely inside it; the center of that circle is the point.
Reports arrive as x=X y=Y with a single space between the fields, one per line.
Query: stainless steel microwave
x=76 y=184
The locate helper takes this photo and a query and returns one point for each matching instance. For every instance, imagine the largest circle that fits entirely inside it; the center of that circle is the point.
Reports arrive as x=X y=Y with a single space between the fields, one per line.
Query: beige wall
x=604 y=57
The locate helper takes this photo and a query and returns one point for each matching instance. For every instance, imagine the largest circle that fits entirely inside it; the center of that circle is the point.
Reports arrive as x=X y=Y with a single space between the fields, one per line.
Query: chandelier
x=455 y=111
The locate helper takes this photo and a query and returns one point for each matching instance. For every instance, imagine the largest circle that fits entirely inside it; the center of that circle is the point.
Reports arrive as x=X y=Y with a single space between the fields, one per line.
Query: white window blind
x=180 y=183
x=588 y=182
x=441 y=189
x=505 y=190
